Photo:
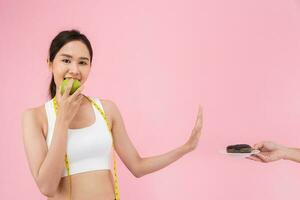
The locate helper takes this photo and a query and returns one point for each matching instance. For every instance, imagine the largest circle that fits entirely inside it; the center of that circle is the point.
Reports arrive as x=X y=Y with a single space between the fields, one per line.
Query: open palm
x=196 y=132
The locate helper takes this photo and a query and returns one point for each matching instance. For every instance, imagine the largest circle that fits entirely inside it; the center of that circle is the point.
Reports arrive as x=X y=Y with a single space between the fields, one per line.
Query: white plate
x=242 y=155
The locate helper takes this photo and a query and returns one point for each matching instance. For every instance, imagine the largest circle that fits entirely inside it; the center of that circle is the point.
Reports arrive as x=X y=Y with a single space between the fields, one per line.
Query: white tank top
x=88 y=148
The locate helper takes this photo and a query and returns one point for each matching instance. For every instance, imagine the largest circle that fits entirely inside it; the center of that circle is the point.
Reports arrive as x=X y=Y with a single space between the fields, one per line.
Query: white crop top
x=88 y=148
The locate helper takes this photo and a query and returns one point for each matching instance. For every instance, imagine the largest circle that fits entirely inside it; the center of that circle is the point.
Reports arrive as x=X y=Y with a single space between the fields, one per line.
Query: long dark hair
x=58 y=42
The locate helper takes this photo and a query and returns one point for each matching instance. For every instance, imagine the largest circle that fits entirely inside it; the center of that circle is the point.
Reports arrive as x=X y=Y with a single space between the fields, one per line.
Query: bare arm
x=46 y=166
x=292 y=154
x=135 y=163
x=155 y=163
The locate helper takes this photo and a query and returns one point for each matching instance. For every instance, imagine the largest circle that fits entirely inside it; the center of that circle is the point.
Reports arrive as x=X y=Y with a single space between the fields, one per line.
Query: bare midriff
x=96 y=185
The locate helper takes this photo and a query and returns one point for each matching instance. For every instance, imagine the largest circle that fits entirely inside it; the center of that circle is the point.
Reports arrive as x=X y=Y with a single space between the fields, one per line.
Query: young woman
x=270 y=152
x=69 y=140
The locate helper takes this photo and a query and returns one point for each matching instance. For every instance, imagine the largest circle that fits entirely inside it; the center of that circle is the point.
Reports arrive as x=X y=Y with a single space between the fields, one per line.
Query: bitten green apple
x=75 y=86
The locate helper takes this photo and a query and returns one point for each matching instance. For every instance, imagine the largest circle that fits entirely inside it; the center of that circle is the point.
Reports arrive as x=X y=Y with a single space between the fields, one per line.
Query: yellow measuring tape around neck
x=116 y=182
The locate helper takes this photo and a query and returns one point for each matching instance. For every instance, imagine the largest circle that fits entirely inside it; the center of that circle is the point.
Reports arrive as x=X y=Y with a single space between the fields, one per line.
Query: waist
x=88 y=185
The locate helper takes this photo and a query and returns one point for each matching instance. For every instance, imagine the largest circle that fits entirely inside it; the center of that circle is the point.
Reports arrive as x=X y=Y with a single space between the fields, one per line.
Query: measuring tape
x=116 y=182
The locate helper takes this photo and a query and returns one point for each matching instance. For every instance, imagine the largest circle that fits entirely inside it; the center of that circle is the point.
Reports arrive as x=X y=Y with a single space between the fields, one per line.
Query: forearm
x=292 y=154
x=50 y=171
x=151 y=164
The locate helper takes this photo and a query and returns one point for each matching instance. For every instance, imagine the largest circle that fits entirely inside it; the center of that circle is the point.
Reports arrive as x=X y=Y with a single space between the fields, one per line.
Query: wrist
x=286 y=153
x=61 y=120
x=186 y=148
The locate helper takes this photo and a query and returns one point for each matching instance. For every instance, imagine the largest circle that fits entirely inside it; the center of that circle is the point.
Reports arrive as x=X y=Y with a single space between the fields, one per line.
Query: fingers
x=77 y=93
x=58 y=94
x=199 y=120
x=79 y=98
x=262 y=157
x=255 y=158
x=259 y=157
x=68 y=88
x=258 y=145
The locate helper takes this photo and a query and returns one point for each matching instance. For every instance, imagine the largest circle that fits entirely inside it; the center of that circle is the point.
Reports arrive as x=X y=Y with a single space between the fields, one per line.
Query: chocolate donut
x=239 y=148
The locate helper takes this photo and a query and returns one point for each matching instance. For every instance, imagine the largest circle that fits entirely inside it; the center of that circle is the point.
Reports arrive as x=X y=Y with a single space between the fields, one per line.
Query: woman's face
x=71 y=61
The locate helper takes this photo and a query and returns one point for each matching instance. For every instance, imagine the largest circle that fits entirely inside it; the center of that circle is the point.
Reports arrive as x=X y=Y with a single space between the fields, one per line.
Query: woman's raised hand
x=192 y=142
x=68 y=105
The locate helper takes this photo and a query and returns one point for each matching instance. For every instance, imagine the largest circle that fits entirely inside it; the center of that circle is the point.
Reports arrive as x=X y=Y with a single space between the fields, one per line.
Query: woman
x=68 y=140
x=270 y=152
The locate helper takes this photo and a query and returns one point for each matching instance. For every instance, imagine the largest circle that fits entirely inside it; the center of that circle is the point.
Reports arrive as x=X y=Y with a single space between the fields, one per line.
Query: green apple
x=75 y=86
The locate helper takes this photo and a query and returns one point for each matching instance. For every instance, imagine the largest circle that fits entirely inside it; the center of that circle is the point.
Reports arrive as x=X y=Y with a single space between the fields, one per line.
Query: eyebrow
x=69 y=56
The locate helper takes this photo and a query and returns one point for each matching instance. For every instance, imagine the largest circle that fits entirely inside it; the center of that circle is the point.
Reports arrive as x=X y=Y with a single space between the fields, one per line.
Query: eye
x=83 y=63
x=66 y=60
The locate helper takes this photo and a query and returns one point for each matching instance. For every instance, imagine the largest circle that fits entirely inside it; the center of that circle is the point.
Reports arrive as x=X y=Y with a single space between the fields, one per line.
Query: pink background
x=157 y=60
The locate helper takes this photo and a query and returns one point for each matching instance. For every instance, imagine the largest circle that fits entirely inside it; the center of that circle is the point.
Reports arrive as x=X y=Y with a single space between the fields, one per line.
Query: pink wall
x=157 y=60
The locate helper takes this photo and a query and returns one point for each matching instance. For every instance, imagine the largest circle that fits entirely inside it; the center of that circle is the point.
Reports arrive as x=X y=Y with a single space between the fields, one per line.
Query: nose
x=74 y=68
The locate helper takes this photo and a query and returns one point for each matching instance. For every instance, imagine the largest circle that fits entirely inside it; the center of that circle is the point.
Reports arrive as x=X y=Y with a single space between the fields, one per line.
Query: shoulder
x=110 y=107
x=28 y=113
x=34 y=116
x=108 y=103
x=30 y=118
x=31 y=113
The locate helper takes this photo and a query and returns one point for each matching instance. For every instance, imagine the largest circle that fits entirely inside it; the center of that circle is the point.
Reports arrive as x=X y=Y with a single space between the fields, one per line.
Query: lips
x=71 y=78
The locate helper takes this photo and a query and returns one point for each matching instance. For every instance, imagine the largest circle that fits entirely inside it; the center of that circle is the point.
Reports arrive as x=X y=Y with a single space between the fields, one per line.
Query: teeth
x=71 y=78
